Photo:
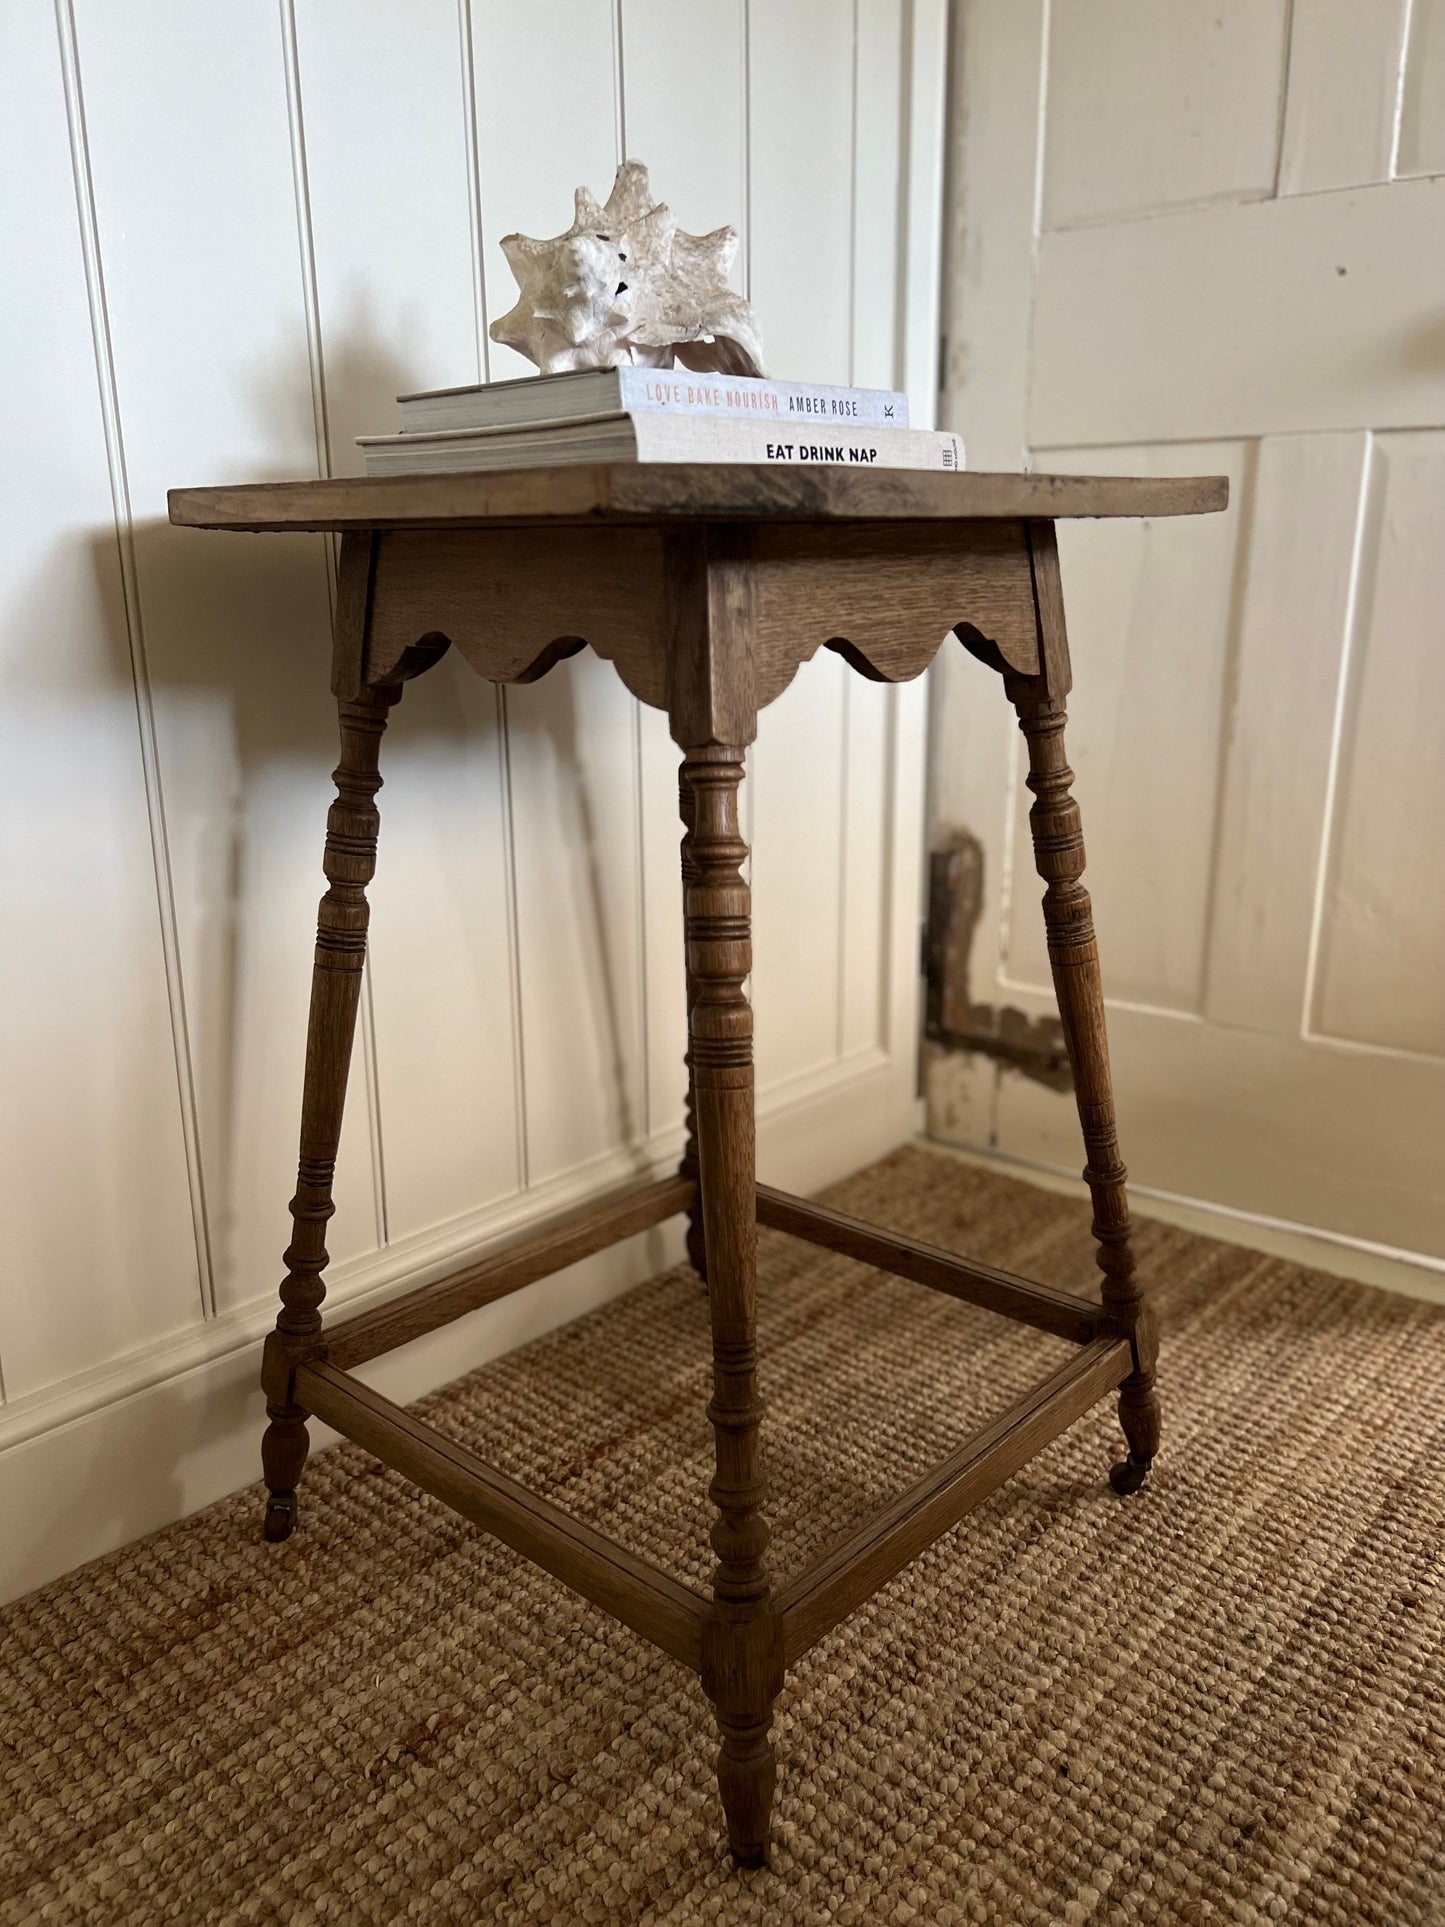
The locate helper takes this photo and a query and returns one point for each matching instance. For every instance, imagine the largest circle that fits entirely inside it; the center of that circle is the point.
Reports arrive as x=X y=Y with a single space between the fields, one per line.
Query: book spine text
x=720 y=439
x=675 y=391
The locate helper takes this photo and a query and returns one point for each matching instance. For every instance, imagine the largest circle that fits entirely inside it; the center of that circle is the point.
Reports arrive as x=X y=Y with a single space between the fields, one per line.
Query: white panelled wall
x=234 y=232
x=1210 y=237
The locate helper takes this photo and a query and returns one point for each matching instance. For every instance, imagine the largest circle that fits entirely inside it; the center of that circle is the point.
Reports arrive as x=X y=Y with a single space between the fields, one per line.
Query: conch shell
x=626 y=284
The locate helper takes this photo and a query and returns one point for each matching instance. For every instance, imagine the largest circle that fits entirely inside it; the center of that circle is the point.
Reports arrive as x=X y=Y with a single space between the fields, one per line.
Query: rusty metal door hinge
x=1032 y=1045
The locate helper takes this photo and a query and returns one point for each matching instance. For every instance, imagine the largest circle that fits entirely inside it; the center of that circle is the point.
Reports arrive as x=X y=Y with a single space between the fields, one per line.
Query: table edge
x=620 y=493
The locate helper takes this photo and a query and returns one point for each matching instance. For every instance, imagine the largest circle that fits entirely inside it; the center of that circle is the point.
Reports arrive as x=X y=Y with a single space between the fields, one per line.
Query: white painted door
x=1210 y=236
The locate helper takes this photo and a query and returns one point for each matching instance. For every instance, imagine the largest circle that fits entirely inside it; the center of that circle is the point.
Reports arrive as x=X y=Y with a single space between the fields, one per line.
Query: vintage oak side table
x=706 y=586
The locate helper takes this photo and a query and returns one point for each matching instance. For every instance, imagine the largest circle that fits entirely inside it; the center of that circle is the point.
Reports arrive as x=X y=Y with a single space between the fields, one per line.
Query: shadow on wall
x=235 y=636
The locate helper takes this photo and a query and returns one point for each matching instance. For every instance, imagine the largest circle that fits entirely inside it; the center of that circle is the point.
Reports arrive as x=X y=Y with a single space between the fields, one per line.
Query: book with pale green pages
x=669 y=391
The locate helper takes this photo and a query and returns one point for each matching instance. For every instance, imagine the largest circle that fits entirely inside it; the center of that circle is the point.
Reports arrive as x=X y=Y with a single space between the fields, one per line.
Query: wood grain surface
x=707 y=614
x=516 y=1266
x=653 y=1603
x=819 y=1598
x=1063 y=1313
x=658 y=492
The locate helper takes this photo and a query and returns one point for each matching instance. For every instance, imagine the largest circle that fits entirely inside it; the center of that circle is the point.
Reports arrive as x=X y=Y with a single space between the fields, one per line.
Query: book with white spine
x=671 y=391
x=655 y=437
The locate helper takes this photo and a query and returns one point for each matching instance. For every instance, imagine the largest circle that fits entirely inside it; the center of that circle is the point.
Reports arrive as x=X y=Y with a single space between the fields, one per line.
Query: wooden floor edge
x=1043 y=1306
x=817 y=1599
x=352 y=1341
x=621 y=1583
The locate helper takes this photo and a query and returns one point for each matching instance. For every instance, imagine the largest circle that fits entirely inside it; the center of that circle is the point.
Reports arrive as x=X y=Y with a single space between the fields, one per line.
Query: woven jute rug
x=1219 y=1701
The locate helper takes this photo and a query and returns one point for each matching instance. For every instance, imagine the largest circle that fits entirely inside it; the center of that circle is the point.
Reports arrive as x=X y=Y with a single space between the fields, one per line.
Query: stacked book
x=634 y=414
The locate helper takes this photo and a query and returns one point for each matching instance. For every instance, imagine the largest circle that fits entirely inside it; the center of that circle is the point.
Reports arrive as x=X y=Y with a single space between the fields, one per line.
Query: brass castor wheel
x=280 y=1517
x=1129 y=1474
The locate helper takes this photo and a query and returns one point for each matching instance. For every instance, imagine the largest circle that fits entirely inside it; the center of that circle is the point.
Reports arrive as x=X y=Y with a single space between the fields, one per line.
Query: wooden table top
x=662 y=492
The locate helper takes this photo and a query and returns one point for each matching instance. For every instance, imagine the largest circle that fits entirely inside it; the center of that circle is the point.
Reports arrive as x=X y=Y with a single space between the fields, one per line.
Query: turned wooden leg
x=696 y=1248
x=349 y=863
x=1074 y=958
x=742 y=1650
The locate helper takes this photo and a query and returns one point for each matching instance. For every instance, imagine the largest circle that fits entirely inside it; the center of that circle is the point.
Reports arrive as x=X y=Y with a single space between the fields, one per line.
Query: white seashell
x=626 y=284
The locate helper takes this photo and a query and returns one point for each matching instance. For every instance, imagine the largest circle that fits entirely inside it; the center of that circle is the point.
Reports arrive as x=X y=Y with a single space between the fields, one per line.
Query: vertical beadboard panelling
x=879 y=79
x=548 y=119
x=798 y=776
x=383 y=104
x=196 y=213
x=863 y=879
x=96 y=1242
x=800 y=80
x=294 y=206
x=441 y=950
x=800 y=76
x=685 y=109
x=391 y=230
x=685 y=115
x=579 y=900
x=665 y=1011
x=875 y=361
